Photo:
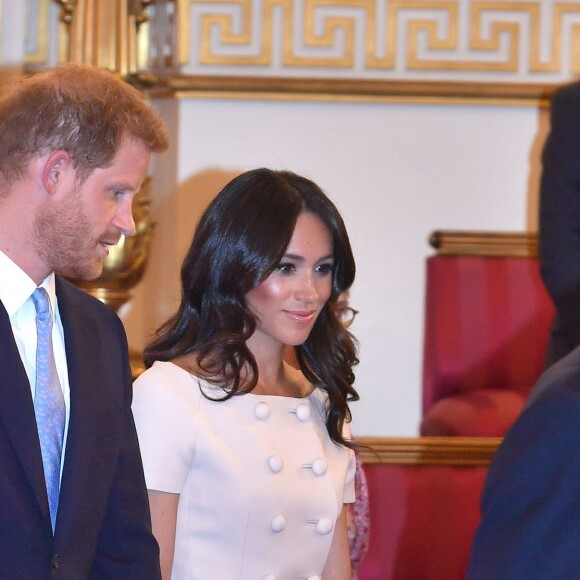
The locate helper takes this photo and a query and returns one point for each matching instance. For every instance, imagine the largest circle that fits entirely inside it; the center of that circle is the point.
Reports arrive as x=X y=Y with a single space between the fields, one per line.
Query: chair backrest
x=487 y=315
x=424 y=505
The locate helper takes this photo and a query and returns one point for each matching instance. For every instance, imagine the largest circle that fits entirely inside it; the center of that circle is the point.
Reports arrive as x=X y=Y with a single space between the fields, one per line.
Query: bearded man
x=75 y=144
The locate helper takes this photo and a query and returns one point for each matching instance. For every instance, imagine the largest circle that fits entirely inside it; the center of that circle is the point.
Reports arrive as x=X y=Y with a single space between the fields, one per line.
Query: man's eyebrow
x=124 y=186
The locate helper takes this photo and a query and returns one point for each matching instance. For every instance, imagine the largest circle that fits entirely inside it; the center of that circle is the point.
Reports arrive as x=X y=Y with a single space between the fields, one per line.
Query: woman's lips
x=301 y=316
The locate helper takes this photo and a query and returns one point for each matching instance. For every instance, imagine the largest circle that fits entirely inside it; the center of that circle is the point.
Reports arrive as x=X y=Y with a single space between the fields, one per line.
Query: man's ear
x=52 y=171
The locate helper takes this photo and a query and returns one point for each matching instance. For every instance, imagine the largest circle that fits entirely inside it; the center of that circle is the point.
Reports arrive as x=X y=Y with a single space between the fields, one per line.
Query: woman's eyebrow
x=301 y=258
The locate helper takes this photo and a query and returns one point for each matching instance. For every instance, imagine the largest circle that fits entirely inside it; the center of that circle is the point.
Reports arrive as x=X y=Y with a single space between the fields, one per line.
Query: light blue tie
x=48 y=401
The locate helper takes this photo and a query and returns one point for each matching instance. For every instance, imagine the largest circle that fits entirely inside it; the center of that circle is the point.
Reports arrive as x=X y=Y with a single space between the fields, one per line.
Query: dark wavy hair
x=240 y=239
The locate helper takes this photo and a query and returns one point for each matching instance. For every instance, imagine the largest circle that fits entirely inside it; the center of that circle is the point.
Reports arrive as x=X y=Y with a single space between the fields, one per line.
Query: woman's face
x=288 y=302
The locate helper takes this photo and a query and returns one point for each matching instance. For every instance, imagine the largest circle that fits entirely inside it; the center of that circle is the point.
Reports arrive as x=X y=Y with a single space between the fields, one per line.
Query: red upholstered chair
x=487 y=319
x=424 y=506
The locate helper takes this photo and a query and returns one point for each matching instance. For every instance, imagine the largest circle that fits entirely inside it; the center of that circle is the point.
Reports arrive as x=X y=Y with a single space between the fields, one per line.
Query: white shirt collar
x=16 y=286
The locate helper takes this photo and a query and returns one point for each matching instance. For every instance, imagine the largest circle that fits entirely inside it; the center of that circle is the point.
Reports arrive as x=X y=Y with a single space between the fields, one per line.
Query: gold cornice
x=493 y=244
x=423 y=451
x=272 y=51
x=316 y=89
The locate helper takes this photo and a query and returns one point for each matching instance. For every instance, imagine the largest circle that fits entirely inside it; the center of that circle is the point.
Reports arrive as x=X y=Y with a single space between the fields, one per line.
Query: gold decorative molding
x=421 y=51
x=492 y=244
x=392 y=36
x=288 y=88
x=423 y=451
x=486 y=38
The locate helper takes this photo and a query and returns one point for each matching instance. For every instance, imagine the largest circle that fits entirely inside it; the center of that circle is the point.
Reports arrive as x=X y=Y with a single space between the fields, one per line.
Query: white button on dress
x=324 y=526
x=319 y=466
x=275 y=463
x=262 y=411
x=303 y=412
x=278 y=523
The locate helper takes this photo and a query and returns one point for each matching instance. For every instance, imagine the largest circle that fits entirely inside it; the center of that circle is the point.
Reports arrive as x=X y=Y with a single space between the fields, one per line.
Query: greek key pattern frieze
x=514 y=39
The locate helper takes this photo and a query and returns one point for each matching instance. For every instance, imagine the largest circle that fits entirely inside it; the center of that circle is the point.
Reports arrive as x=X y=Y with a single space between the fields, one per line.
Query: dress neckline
x=197 y=378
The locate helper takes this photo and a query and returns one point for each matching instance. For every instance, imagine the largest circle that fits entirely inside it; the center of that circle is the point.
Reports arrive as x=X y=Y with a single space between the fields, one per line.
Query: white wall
x=396 y=171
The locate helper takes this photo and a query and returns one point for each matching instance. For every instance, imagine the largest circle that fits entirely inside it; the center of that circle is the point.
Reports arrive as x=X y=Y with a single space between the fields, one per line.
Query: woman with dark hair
x=249 y=461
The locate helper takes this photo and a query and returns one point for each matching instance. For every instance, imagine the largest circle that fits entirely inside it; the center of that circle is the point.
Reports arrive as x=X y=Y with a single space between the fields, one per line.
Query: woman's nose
x=307 y=291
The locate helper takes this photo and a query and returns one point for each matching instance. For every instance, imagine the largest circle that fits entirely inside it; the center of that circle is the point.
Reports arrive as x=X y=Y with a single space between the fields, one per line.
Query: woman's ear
x=54 y=165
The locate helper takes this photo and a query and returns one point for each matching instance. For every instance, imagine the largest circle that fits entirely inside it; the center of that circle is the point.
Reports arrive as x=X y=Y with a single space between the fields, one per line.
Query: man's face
x=74 y=230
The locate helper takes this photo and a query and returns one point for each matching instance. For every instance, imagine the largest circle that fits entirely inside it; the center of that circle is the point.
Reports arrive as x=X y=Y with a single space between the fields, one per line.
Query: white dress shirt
x=16 y=289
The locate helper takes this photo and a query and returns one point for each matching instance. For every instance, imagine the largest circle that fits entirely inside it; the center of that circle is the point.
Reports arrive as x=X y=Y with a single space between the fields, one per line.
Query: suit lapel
x=17 y=412
x=84 y=406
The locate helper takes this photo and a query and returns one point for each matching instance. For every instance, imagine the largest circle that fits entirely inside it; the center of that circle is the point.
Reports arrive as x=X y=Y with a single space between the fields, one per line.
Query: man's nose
x=124 y=219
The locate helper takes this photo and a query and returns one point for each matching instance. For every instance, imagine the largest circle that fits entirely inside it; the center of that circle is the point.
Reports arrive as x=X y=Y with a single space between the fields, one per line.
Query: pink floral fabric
x=358 y=519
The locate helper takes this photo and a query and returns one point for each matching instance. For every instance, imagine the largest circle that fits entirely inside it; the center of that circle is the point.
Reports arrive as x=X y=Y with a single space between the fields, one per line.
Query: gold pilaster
x=104 y=33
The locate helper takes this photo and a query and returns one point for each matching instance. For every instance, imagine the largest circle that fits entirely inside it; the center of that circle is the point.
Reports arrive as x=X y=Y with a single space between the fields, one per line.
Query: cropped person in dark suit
x=530 y=525
x=559 y=224
x=75 y=144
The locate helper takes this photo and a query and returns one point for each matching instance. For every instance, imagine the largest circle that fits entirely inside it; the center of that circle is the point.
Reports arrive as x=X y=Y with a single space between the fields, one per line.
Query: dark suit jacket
x=530 y=526
x=559 y=219
x=103 y=525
